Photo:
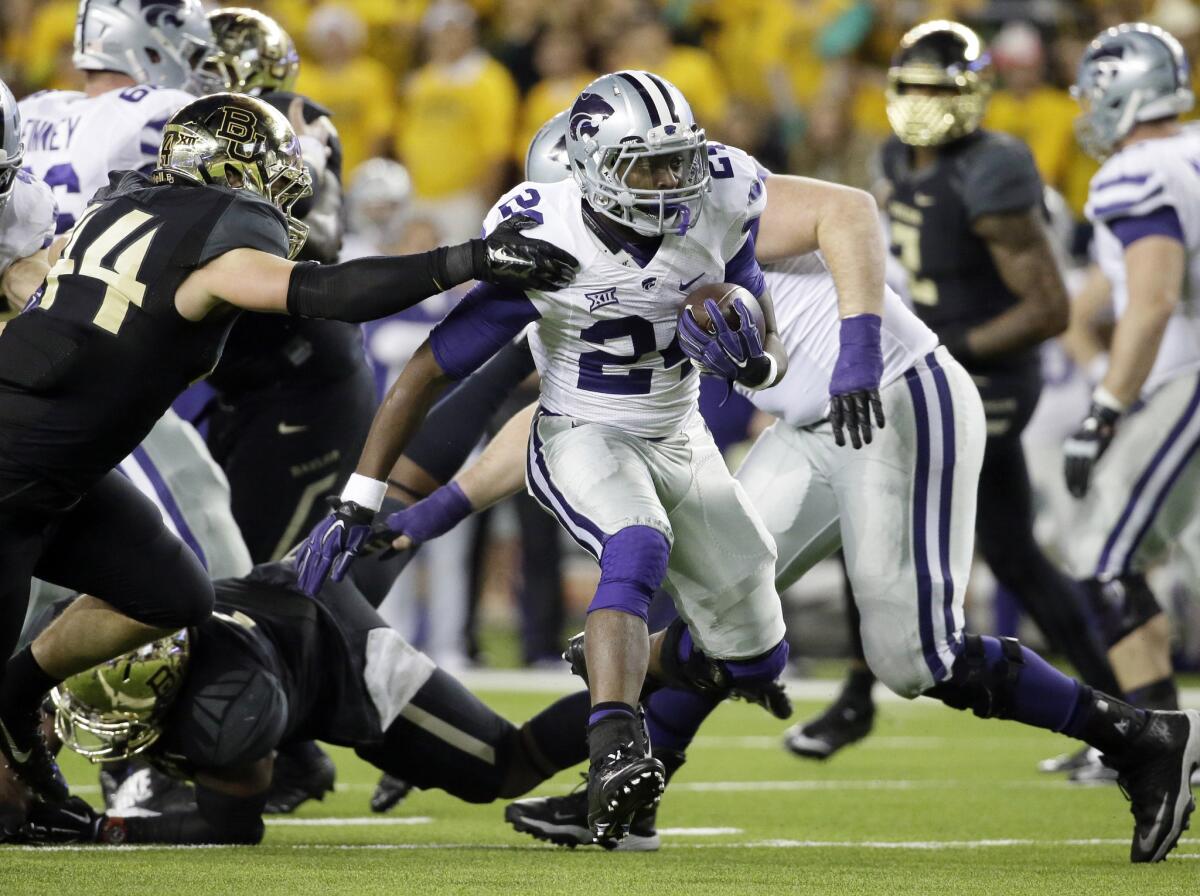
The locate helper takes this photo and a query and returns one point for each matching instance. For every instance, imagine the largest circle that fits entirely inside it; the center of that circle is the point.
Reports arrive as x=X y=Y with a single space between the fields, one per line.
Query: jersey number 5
x=113 y=256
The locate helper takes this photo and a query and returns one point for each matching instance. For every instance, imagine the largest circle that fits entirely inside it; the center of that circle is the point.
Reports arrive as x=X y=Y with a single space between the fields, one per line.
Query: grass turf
x=935 y=802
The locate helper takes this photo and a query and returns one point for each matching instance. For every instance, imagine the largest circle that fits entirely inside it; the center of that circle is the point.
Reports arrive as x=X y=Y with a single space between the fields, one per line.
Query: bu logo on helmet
x=588 y=113
x=237 y=126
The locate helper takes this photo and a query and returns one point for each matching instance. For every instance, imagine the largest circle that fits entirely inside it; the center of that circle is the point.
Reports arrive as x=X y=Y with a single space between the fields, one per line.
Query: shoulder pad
x=1128 y=184
x=738 y=183
x=552 y=205
x=998 y=175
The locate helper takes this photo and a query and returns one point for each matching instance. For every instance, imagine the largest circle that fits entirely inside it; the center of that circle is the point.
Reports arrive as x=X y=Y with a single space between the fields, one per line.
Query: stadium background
x=454 y=91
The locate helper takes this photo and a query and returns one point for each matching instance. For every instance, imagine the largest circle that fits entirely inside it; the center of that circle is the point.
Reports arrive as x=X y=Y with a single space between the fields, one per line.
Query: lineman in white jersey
x=1134 y=464
x=137 y=61
x=903 y=509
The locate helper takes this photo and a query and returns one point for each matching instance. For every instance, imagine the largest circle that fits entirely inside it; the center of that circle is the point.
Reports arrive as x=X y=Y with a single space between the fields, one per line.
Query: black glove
x=72 y=821
x=1087 y=445
x=507 y=258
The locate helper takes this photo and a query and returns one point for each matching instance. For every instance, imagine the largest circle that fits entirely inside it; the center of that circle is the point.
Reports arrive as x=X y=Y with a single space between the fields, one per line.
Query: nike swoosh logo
x=18 y=757
x=1144 y=843
x=286 y=429
x=683 y=287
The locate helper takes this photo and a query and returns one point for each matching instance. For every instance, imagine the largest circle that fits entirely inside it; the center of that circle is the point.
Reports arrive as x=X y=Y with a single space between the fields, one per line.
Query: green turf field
x=936 y=802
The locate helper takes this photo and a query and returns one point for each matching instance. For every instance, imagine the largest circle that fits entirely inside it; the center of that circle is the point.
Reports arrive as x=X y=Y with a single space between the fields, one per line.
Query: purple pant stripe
x=1140 y=486
x=169 y=503
x=920 y=508
x=574 y=517
x=947 y=492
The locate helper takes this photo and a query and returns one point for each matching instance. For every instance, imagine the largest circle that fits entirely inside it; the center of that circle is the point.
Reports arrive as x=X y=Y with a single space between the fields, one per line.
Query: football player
x=918 y=478
x=619 y=452
x=135 y=308
x=1132 y=464
x=967 y=222
x=27 y=212
x=271 y=666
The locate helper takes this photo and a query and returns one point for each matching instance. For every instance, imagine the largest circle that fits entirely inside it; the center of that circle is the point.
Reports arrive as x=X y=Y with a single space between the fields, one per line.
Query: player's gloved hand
x=854 y=387
x=735 y=355
x=508 y=258
x=1089 y=442
x=428 y=518
x=335 y=541
x=72 y=821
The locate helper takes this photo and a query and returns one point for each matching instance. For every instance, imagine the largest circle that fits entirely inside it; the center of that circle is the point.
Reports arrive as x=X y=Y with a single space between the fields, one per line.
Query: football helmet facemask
x=635 y=122
x=253 y=53
x=235 y=140
x=952 y=69
x=114 y=711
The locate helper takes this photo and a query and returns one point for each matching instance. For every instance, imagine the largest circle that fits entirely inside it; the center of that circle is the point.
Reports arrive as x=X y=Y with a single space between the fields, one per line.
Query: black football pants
x=111 y=543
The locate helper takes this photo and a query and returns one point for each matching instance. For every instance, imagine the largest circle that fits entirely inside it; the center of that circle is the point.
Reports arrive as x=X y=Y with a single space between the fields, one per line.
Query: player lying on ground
x=134 y=309
x=272 y=666
x=902 y=508
x=619 y=452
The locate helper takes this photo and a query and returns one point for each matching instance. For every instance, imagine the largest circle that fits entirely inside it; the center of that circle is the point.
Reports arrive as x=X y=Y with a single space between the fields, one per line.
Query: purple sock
x=674 y=716
x=1041 y=695
x=602 y=711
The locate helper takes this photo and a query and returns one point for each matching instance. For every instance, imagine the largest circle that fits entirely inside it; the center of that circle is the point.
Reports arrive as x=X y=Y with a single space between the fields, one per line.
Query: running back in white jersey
x=1140 y=181
x=605 y=346
x=72 y=141
x=806 y=312
x=27 y=221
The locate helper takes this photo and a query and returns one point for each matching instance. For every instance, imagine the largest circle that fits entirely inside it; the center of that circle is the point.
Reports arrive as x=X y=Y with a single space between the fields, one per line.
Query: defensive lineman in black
x=272 y=667
x=135 y=307
x=966 y=214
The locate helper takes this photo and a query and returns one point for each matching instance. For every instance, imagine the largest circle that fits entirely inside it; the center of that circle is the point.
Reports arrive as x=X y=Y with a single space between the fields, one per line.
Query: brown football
x=724 y=294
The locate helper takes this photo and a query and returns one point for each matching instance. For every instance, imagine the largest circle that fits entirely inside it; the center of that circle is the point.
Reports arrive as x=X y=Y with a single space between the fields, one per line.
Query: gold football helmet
x=114 y=710
x=254 y=54
x=239 y=141
x=938 y=84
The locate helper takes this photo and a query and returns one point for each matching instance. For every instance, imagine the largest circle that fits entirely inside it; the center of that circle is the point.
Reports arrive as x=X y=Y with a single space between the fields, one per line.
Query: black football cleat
x=846 y=721
x=303 y=772
x=147 y=790
x=23 y=746
x=626 y=781
x=1156 y=777
x=389 y=793
x=562 y=820
x=1093 y=771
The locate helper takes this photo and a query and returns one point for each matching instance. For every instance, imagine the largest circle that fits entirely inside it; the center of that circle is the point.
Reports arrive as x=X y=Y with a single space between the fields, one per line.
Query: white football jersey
x=27 y=221
x=72 y=141
x=605 y=346
x=806 y=312
x=1138 y=181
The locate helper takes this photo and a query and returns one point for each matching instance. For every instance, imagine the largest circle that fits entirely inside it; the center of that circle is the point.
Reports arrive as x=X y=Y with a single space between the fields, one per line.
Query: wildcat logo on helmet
x=588 y=113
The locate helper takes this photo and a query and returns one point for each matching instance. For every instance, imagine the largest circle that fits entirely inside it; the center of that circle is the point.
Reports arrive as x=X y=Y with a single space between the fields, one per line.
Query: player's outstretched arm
x=370 y=288
x=22 y=278
x=498 y=473
x=1020 y=247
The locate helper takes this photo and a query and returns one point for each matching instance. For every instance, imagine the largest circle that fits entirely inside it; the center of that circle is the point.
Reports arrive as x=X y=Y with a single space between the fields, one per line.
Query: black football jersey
x=90 y=365
x=953 y=281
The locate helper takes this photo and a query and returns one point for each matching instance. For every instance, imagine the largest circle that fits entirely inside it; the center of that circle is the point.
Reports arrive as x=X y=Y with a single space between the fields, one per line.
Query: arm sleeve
x=743 y=269
x=1000 y=176
x=374 y=287
x=247 y=224
x=1163 y=221
x=478 y=327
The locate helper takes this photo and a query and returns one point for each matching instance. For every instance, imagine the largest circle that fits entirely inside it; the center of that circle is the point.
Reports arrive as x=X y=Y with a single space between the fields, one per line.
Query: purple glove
x=432 y=516
x=729 y=353
x=854 y=387
x=332 y=545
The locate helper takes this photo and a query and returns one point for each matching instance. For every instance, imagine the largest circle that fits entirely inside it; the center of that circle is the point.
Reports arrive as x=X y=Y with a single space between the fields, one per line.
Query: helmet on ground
x=634 y=122
x=238 y=141
x=114 y=711
x=159 y=42
x=1129 y=74
x=938 y=84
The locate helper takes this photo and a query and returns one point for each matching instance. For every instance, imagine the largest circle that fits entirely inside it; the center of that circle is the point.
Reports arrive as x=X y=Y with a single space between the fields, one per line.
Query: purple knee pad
x=632 y=566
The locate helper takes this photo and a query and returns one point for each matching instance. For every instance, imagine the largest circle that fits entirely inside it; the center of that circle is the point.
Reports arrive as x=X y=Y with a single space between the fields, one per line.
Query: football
x=724 y=294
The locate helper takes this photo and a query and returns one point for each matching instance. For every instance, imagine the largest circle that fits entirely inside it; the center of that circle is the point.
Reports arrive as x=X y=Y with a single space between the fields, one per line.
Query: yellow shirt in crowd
x=360 y=96
x=456 y=122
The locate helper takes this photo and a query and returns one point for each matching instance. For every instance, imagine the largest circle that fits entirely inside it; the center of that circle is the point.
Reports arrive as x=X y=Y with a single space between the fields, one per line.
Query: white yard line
x=366 y=821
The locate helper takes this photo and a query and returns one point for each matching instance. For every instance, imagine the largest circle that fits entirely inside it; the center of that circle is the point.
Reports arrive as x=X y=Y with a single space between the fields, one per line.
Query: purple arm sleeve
x=479 y=326
x=1163 y=221
x=743 y=269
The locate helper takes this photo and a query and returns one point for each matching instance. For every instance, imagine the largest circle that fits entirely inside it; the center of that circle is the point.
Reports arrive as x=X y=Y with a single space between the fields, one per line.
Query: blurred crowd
x=454 y=91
